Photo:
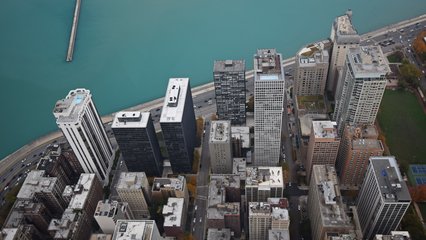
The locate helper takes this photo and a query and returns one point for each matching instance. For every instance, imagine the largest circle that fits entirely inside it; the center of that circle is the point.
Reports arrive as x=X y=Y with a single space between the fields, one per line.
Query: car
x=195 y=208
x=201 y=219
x=193 y=229
x=194 y=220
x=23 y=165
x=7 y=187
x=298 y=207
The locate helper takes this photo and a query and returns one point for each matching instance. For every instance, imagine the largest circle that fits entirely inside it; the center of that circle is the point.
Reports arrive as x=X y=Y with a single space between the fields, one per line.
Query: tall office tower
x=220 y=147
x=263 y=183
x=79 y=121
x=133 y=188
x=358 y=144
x=108 y=212
x=325 y=207
x=47 y=190
x=344 y=36
x=175 y=213
x=230 y=90
x=323 y=145
x=178 y=124
x=136 y=229
x=363 y=84
x=311 y=70
x=163 y=188
x=268 y=106
x=383 y=198
x=136 y=137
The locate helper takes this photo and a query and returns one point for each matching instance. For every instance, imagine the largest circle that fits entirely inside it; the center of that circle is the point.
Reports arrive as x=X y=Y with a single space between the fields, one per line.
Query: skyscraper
x=363 y=84
x=344 y=36
x=358 y=144
x=135 y=134
x=220 y=147
x=268 y=106
x=311 y=70
x=323 y=145
x=79 y=121
x=383 y=198
x=178 y=124
x=230 y=90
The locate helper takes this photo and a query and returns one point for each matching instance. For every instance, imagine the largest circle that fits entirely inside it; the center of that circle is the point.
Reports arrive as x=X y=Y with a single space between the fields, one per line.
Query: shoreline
x=22 y=152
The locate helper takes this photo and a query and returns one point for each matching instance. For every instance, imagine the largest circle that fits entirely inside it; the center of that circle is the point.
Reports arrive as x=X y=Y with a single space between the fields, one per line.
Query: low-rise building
x=163 y=188
x=239 y=168
x=218 y=234
x=175 y=213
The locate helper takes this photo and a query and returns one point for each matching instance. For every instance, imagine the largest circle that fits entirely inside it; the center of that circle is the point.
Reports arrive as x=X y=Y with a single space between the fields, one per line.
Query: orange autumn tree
x=418 y=193
x=419 y=45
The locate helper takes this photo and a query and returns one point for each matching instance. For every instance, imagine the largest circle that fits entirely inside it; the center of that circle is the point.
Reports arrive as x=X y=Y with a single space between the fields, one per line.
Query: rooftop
x=313 y=54
x=368 y=62
x=344 y=30
x=81 y=191
x=63 y=228
x=174 y=101
x=278 y=234
x=101 y=236
x=363 y=132
x=131 y=120
x=173 y=183
x=218 y=234
x=264 y=177
x=268 y=65
x=173 y=212
x=217 y=186
x=36 y=182
x=219 y=211
x=110 y=209
x=330 y=204
x=394 y=235
x=242 y=133
x=360 y=144
x=259 y=208
x=134 y=230
x=325 y=129
x=131 y=180
x=72 y=106
x=311 y=103
x=220 y=131
x=9 y=233
x=229 y=66
x=239 y=167
x=391 y=185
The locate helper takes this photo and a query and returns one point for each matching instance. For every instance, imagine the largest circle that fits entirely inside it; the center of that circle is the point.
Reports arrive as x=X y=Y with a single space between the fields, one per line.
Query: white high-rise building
x=269 y=100
x=133 y=188
x=79 y=121
x=383 y=198
x=344 y=36
x=136 y=229
x=108 y=212
x=220 y=147
x=364 y=82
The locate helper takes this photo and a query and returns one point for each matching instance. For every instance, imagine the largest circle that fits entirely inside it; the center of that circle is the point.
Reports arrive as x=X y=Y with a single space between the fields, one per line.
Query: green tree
x=409 y=73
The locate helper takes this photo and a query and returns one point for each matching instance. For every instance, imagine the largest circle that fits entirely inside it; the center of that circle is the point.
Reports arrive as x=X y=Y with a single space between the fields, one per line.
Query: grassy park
x=403 y=123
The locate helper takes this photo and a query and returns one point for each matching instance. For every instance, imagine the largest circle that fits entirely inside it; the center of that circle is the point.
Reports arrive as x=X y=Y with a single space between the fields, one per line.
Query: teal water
x=127 y=49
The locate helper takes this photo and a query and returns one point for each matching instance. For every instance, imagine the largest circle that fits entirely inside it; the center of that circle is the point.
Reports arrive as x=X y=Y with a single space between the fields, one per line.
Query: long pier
x=73 y=34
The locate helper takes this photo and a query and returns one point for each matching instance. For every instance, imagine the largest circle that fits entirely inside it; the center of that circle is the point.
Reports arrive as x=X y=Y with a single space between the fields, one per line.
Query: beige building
x=263 y=183
x=323 y=145
x=266 y=216
x=133 y=188
x=220 y=147
x=163 y=188
x=327 y=213
x=136 y=229
x=358 y=144
x=311 y=70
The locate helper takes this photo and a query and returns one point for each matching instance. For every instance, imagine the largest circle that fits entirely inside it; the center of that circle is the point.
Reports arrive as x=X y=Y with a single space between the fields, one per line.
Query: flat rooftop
x=345 y=32
x=311 y=103
x=264 y=177
x=229 y=66
x=9 y=233
x=134 y=229
x=312 y=55
x=131 y=180
x=268 y=65
x=239 y=167
x=368 y=62
x=63 y=228
x=392 y=186
x=131 y=120
x=220 y=210
x=218 y=234
x=278 y=234
x=174 y=101
x=259 y=208
x=306 y=122
x=331 y=207
x=81 y=191
x=100 y=236
x=72 y=106
x=169 y=183
x=360 y=144
x=220 y=131
x=325 y=129
x=173 y=212
x=366 y=132
x=36 y=182
x=107 y=208
x=217 y=185
x=242 y=133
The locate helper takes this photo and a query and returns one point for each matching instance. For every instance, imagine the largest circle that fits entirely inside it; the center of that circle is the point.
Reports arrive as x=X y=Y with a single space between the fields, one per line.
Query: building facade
x=323 y=145
x=230 y=90
x=178 y=125
x=108 y=212
x=269 y=102
x=263 y=183
x=137 y=139
x=175 y=213
x=80 y=123
x=220 y=147
x=383 y=198
x=363 y=85
x=133 y=188
x=164 y=188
